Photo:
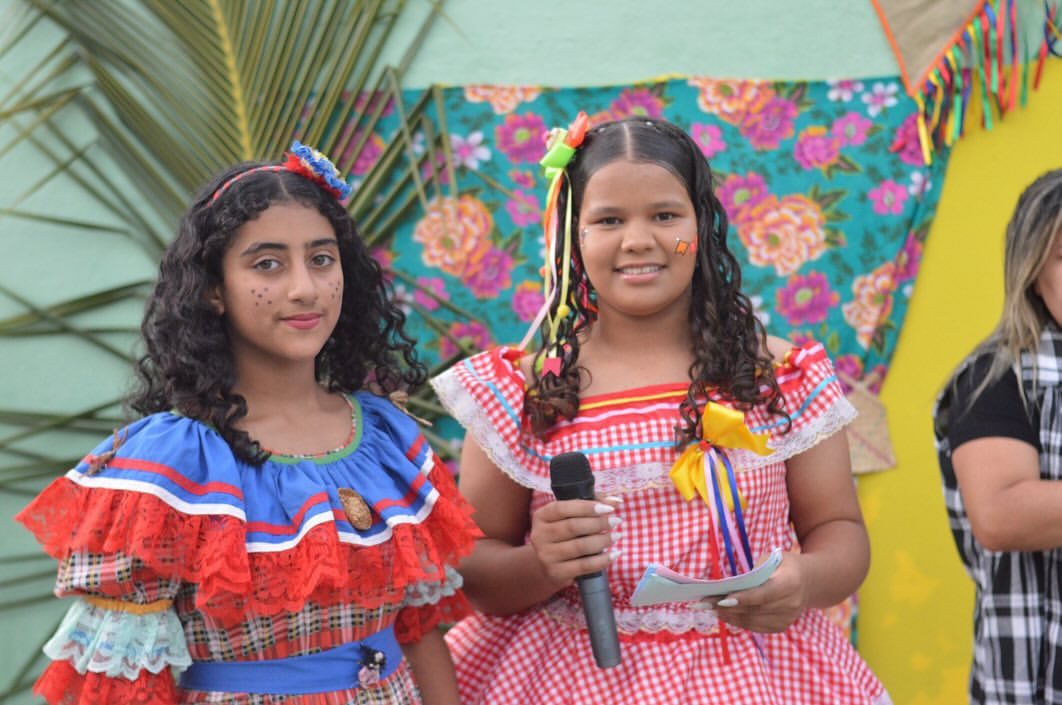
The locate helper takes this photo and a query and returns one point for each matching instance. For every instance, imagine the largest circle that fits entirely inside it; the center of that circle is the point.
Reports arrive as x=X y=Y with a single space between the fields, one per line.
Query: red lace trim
x=413 y=623
x=206 y=550
x=61 y=684
x=210 y=550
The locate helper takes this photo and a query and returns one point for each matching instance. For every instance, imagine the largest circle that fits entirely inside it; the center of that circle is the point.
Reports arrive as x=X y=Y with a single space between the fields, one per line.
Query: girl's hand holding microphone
x=575 y=537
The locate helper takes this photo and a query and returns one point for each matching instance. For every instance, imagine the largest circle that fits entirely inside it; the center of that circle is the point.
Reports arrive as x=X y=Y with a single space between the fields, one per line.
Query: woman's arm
x=834 y=550
x=1010 y=507
x=433 y=670
x=504 y=574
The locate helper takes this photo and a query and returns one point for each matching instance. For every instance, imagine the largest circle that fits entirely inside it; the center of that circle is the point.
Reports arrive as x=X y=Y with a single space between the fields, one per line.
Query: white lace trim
x=630 y=620
x=98 y=640
x=838 y=415
x=631 y=478
x=429 y=593
x=463 y=407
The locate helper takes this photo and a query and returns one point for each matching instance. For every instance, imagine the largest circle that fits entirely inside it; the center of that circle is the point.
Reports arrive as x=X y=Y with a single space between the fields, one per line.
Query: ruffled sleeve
x=814 y=400
x=485 y=393
x=434 y=536
x=127 y=531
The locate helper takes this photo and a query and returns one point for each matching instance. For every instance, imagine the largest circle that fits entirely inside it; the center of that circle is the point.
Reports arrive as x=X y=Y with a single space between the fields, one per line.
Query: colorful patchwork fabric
x=182 y=552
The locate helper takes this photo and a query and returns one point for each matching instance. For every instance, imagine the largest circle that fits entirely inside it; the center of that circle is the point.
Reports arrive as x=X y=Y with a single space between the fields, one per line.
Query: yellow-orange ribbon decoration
x=721 y=427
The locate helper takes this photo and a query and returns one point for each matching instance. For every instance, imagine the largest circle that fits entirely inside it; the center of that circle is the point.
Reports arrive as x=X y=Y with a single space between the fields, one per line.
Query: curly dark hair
x=188 y=364
x=729 y=343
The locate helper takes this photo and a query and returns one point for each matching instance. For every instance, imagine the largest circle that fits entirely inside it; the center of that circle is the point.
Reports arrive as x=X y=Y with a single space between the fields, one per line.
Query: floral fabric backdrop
x=824 y=184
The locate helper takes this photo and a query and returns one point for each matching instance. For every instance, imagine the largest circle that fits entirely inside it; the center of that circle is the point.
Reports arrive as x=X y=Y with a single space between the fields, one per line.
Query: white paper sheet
x=659 y=584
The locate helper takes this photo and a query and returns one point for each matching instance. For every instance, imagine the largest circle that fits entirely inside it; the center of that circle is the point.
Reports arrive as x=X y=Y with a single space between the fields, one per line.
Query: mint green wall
x=622 y=41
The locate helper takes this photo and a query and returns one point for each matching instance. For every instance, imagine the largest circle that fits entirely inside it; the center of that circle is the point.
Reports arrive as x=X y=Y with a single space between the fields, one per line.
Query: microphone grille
x=569 y=468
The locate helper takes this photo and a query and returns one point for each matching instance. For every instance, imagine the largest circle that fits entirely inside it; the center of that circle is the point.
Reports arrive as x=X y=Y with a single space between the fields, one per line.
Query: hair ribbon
x=560 y=148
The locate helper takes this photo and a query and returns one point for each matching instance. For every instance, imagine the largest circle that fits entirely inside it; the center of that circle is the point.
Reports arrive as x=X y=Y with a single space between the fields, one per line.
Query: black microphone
x=571 y=479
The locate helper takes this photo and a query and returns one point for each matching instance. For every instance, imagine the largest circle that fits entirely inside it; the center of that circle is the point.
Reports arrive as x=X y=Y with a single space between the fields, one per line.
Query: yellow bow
x=721 y=427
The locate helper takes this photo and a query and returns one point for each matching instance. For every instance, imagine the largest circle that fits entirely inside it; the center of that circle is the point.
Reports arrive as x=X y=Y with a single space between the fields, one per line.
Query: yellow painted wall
x=915 y=622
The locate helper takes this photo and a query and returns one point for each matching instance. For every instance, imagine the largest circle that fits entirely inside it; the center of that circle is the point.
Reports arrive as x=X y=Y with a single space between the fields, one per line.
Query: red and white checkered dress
x=670 y=653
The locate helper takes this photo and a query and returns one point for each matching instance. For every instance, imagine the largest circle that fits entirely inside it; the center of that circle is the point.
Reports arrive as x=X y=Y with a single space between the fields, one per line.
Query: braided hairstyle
x=188 y=365
x=729 y=343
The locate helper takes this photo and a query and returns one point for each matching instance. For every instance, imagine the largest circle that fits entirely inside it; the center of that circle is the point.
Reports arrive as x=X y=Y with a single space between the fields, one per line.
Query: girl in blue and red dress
x=710 y=443
x=274 y=529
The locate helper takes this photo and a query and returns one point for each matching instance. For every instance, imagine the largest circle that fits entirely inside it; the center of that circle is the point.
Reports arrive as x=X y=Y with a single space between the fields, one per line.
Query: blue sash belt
x=325 y=671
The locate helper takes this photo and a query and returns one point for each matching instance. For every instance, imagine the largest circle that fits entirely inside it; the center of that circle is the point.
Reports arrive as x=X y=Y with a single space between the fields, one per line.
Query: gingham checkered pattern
x=1018 y=607
x=671 y=653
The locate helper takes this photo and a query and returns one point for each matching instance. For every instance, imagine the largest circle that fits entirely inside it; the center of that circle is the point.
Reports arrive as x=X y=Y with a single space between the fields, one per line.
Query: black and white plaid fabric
x=1018 y=606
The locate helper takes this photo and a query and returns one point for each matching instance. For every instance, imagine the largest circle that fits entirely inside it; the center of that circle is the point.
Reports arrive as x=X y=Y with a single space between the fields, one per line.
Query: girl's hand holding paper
x=771 y=607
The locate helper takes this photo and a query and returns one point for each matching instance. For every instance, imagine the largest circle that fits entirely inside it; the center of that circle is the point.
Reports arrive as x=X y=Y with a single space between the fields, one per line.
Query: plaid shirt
x=1018 y=607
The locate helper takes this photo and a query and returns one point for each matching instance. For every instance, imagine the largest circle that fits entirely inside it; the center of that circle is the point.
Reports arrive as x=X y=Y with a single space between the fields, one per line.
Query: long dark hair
x=730 y=358
x=188 y=366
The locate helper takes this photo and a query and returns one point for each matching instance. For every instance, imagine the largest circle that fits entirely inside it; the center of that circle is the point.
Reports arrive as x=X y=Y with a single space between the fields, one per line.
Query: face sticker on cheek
x=685 y=247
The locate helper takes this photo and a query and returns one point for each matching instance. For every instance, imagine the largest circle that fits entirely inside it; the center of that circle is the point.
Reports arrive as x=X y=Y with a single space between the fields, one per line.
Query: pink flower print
x=520 y=137
x=469 y=151
x=488 y=272
x=907 y=259
x=367 y=157
x=709 y=138
x=502 y=99
x=522 y=178
x=527 y=300
x=843 y=90
x=806 y=299
x=730 y=100
x=801 y=338
x=872 y=303
x=368 y=102
x=880 y=97
x=784 y=234
x=848 y=367
x=451 y=231
x=851 y=129
x=637 y=102
x=473 y=335
x=738 y=194
x=888 y=197
x=523 y=208
x=768 y=123
x=877 y=374
x=906 y=142
x=816 y=148
x=433 y=284
x=439 y=172
x=385 y=259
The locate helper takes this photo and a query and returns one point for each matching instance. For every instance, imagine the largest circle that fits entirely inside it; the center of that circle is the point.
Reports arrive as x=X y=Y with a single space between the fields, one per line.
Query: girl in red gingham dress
x=204 y=568
x=647 y=344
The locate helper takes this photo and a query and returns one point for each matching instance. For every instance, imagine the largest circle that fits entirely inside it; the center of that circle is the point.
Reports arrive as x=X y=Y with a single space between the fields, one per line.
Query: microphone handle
x=600 y=620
